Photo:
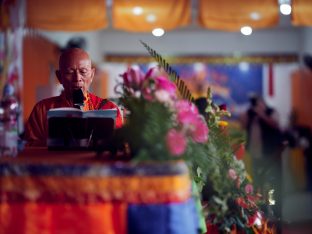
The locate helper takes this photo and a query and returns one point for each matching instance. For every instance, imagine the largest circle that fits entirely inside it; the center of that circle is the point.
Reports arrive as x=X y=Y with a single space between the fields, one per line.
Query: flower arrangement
x=164 y=124
x=231 y=202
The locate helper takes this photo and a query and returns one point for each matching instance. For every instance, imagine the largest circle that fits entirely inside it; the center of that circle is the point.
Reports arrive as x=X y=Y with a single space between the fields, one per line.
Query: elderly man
x=75 y=72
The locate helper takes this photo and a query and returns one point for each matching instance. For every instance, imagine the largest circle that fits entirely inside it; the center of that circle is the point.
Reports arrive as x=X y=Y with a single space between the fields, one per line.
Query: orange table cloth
x=45 y=191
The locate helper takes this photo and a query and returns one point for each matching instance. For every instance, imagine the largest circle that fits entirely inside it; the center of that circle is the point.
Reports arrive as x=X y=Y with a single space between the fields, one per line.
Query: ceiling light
x=255 y=15
x=158 y=32
x=137 y=10
x=285 y=9
x=151 y=18
x=246 y=30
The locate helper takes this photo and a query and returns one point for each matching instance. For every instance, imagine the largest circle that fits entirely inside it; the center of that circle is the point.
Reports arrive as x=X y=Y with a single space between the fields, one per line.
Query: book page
x=109 y=113
x=72 y=128
x=74 y=112
x=65 y=112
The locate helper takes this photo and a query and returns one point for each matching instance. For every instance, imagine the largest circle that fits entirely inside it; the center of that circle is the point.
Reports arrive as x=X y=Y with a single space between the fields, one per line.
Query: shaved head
x=75 y=70
x=68 y=54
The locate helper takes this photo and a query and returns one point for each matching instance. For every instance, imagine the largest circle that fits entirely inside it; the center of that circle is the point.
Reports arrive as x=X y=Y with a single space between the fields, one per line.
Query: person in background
x=265 y=145
x=264 y=137
x=75 y=72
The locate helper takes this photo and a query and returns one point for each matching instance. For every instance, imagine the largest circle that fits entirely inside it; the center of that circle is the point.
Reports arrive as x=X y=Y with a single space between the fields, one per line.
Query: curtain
x=73 y=15
x=302 y=12
x=155 y=14
x=229 y=16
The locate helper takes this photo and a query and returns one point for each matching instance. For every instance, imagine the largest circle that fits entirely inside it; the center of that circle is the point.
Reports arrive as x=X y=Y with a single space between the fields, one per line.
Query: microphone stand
x=78 y=99
x=78 y=102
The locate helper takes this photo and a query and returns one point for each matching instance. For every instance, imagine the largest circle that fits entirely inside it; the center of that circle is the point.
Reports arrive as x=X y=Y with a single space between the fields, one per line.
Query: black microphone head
x=78 y=97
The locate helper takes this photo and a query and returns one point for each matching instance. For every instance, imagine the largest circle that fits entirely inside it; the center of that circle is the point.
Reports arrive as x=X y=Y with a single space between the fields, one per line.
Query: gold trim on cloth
x=212 y=59
x=132 y=189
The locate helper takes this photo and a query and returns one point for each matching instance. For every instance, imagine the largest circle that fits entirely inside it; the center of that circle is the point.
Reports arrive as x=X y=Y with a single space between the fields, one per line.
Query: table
x=51 y=192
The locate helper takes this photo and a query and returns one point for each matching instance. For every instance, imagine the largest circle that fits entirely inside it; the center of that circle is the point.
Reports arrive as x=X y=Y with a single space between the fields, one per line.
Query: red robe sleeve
x=104 y=104
x=112 y=105
x=36 y=127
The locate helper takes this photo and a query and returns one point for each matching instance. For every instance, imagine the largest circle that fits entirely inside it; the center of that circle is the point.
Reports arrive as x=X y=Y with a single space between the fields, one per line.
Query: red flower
x=241 y=202
x=222 y=107
x=239 y=151
x=212 y=228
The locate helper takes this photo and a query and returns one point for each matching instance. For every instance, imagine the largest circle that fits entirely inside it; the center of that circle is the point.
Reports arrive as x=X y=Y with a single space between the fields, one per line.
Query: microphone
x=78 y=98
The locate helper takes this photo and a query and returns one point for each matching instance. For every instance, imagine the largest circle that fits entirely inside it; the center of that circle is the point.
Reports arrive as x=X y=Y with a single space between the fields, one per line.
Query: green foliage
x=146 y=128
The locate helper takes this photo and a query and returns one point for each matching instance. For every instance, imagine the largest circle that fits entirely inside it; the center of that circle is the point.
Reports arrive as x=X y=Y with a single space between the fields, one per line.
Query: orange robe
x=36 y=128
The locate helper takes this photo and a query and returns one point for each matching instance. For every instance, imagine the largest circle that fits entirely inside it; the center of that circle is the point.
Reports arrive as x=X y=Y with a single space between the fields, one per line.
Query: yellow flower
x=223 y=123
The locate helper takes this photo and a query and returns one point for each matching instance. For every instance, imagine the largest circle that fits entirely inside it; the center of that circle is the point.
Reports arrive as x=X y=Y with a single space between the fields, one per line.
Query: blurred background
x=252 y=47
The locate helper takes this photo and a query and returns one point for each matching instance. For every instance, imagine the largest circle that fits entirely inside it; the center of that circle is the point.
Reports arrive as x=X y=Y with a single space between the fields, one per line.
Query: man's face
x=76 y=72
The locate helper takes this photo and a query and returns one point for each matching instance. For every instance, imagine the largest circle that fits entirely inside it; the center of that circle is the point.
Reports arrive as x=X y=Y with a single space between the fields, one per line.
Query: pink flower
x=165 y=84
x=133 y=78
x=183 y=105
x=150 y=73
x=232 y=174
x=248 y=188
x=147 y=94
x=186 y=118
x=200 y=132
x=187 y=113
x=176 y=142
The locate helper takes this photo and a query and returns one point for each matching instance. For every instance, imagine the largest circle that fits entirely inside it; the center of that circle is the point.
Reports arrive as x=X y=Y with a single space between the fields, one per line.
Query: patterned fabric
x=146 y=184
x=36 y=128
x=115 y=198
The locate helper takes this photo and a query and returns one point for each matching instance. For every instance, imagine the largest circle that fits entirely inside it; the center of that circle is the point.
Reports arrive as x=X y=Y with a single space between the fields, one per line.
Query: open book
x=74 y=112
x=71 y=128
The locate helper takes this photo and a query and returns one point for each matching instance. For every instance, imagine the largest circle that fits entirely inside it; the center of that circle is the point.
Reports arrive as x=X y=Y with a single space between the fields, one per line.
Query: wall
x=40 y=58
x=307 y=40
x=301 y=83
x=281 y=99
x=92 y=38
x=186 y=42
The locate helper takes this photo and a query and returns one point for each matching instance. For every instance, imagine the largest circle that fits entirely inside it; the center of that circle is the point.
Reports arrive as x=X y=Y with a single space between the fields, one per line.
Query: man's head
x=75 y=70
